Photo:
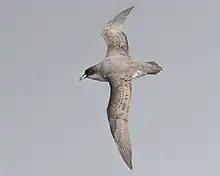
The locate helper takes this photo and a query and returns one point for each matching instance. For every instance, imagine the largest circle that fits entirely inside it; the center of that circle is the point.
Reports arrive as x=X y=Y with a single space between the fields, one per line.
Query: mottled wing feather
x=114 y=35
x=119 y=19
x=118 y=107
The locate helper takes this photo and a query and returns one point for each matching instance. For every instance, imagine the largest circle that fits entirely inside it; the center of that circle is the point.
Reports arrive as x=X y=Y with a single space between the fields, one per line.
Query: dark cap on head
x=90 y=71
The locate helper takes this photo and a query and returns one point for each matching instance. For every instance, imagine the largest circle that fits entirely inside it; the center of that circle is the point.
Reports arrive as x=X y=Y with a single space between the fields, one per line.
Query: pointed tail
x=153 y=68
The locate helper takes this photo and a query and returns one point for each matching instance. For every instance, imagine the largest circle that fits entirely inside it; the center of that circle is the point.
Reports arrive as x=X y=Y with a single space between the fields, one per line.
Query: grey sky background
x=52 y=125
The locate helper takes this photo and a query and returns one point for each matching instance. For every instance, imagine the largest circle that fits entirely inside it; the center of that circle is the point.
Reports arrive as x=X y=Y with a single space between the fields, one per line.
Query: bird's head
x=91 y=73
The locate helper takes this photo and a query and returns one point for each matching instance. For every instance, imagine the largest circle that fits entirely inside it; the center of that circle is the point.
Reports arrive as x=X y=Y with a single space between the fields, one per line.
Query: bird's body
x=122 y=63
x=119 y=69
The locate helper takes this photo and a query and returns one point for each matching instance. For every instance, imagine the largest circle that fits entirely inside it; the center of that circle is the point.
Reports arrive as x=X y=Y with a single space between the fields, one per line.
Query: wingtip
x=128 y=163
x=130 y=167
x=129 y=9
x=121 y=17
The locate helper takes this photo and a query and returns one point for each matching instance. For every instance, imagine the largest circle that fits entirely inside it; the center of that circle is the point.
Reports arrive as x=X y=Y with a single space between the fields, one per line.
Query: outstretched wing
x=118 y=107
x=114 y=35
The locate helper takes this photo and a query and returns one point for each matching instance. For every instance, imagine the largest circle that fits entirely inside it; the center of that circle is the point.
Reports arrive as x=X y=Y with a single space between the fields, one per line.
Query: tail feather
x=153 y=68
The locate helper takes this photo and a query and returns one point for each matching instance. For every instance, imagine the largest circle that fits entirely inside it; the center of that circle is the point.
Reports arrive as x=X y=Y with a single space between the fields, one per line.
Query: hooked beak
x=83 y=77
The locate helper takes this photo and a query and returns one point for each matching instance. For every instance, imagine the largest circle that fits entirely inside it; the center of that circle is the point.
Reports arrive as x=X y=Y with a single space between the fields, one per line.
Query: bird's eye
x=89 y=72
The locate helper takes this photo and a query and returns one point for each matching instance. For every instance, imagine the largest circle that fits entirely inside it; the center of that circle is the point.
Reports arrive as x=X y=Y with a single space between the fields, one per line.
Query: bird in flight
x=119 y=69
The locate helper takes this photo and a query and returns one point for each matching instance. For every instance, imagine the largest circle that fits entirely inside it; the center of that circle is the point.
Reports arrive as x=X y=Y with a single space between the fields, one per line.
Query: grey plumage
x=118 y=107
x=119 y=69
x=114 y=35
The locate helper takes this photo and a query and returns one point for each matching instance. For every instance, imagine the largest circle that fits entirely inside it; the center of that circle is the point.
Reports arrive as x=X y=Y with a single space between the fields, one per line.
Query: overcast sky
x=52 y=125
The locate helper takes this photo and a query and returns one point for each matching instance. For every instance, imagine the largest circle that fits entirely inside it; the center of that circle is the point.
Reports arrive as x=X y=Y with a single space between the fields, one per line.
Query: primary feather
x=114 y=35
x=118 y=107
